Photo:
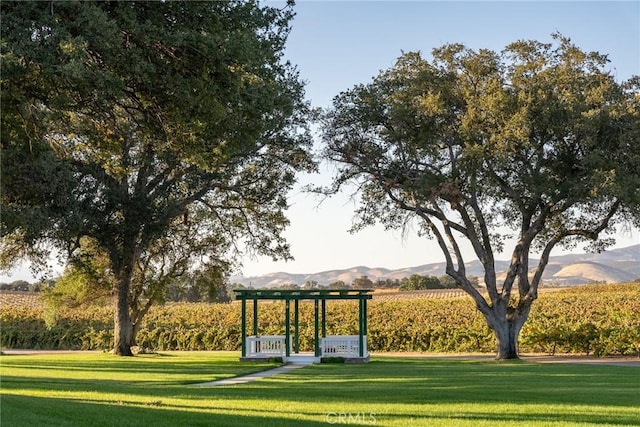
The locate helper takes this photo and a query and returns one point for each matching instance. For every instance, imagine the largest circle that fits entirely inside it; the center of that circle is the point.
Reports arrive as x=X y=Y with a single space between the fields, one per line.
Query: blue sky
x=338 y=44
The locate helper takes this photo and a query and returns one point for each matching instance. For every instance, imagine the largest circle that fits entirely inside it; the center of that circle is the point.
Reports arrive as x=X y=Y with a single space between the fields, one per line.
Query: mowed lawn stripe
x=104 y=390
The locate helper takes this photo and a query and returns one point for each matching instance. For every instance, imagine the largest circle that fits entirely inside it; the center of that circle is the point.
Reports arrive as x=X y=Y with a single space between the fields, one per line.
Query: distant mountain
x=617 y=265
x=592 y=271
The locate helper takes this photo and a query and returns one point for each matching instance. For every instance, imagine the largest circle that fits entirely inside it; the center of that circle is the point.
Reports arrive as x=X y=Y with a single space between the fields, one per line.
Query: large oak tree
x=537 y=144
x=158 y=133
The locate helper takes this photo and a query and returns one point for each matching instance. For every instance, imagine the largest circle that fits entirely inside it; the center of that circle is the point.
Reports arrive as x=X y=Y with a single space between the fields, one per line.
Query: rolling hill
x=614 y=266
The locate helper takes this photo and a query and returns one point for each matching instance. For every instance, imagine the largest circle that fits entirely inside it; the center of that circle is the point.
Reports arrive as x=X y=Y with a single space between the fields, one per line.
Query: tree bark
x=506 y=327
x=507 y=337
x=122 y=319
x=136 y=319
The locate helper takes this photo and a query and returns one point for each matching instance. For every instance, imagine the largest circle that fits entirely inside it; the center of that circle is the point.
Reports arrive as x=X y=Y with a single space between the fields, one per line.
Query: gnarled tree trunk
x=506 y=324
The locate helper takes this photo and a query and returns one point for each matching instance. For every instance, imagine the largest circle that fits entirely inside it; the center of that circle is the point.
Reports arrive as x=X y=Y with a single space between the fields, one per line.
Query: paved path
x=256 y=376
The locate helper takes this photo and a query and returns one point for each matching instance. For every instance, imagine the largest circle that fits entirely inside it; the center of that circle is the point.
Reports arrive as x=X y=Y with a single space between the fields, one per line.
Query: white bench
x=267 y=345
x=343 y=346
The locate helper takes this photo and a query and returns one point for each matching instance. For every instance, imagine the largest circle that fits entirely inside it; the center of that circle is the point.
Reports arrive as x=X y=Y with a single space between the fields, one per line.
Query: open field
x=103 y=390
x=396 y=294
x=20 y=299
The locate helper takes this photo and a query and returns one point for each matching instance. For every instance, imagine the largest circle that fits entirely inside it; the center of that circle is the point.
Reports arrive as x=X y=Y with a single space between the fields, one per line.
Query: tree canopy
x=162 y=133
x=538 y=143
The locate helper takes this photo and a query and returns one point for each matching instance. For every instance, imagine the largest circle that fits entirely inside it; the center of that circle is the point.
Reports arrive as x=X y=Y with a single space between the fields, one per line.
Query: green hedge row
x=599 y=320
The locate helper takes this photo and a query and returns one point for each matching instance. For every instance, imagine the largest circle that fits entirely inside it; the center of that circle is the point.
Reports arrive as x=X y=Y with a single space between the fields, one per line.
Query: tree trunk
x=122 y=321
x=506 y=326
x=135 y=328
x=507 y=336
x=137 y=314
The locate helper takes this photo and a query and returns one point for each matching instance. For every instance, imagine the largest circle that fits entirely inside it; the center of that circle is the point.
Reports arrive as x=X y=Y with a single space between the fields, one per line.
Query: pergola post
x=244 y=328
x=316 y=338
x=255 y=317
x=365 y=318
x=296 y=329
x=287 y=327
x=361 y=326
x=324 y=318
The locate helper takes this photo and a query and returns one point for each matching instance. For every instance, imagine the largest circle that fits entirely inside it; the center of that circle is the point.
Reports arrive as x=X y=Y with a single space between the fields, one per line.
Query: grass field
x=158 y=390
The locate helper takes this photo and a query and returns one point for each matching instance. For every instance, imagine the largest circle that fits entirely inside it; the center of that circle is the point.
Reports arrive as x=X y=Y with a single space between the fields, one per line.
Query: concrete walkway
x=256 y=376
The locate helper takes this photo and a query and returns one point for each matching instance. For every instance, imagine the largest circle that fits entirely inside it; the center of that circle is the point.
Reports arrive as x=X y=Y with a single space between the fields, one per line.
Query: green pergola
x=319 y=298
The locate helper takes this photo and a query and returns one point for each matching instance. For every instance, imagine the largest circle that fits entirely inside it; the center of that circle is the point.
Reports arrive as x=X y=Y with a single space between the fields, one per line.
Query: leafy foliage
x=416 y=282
x=166 y=133
x=208 y=285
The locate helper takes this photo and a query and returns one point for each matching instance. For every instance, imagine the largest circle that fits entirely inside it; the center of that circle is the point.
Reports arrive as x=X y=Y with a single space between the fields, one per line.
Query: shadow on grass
x=154 y=365
x=42 y=411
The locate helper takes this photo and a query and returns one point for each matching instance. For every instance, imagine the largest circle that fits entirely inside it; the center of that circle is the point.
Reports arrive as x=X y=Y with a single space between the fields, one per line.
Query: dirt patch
x=615 y=361
x=535 y=358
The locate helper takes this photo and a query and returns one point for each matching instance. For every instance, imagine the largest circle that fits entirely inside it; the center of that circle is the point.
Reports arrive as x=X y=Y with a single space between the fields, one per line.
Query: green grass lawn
x=158 y=390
